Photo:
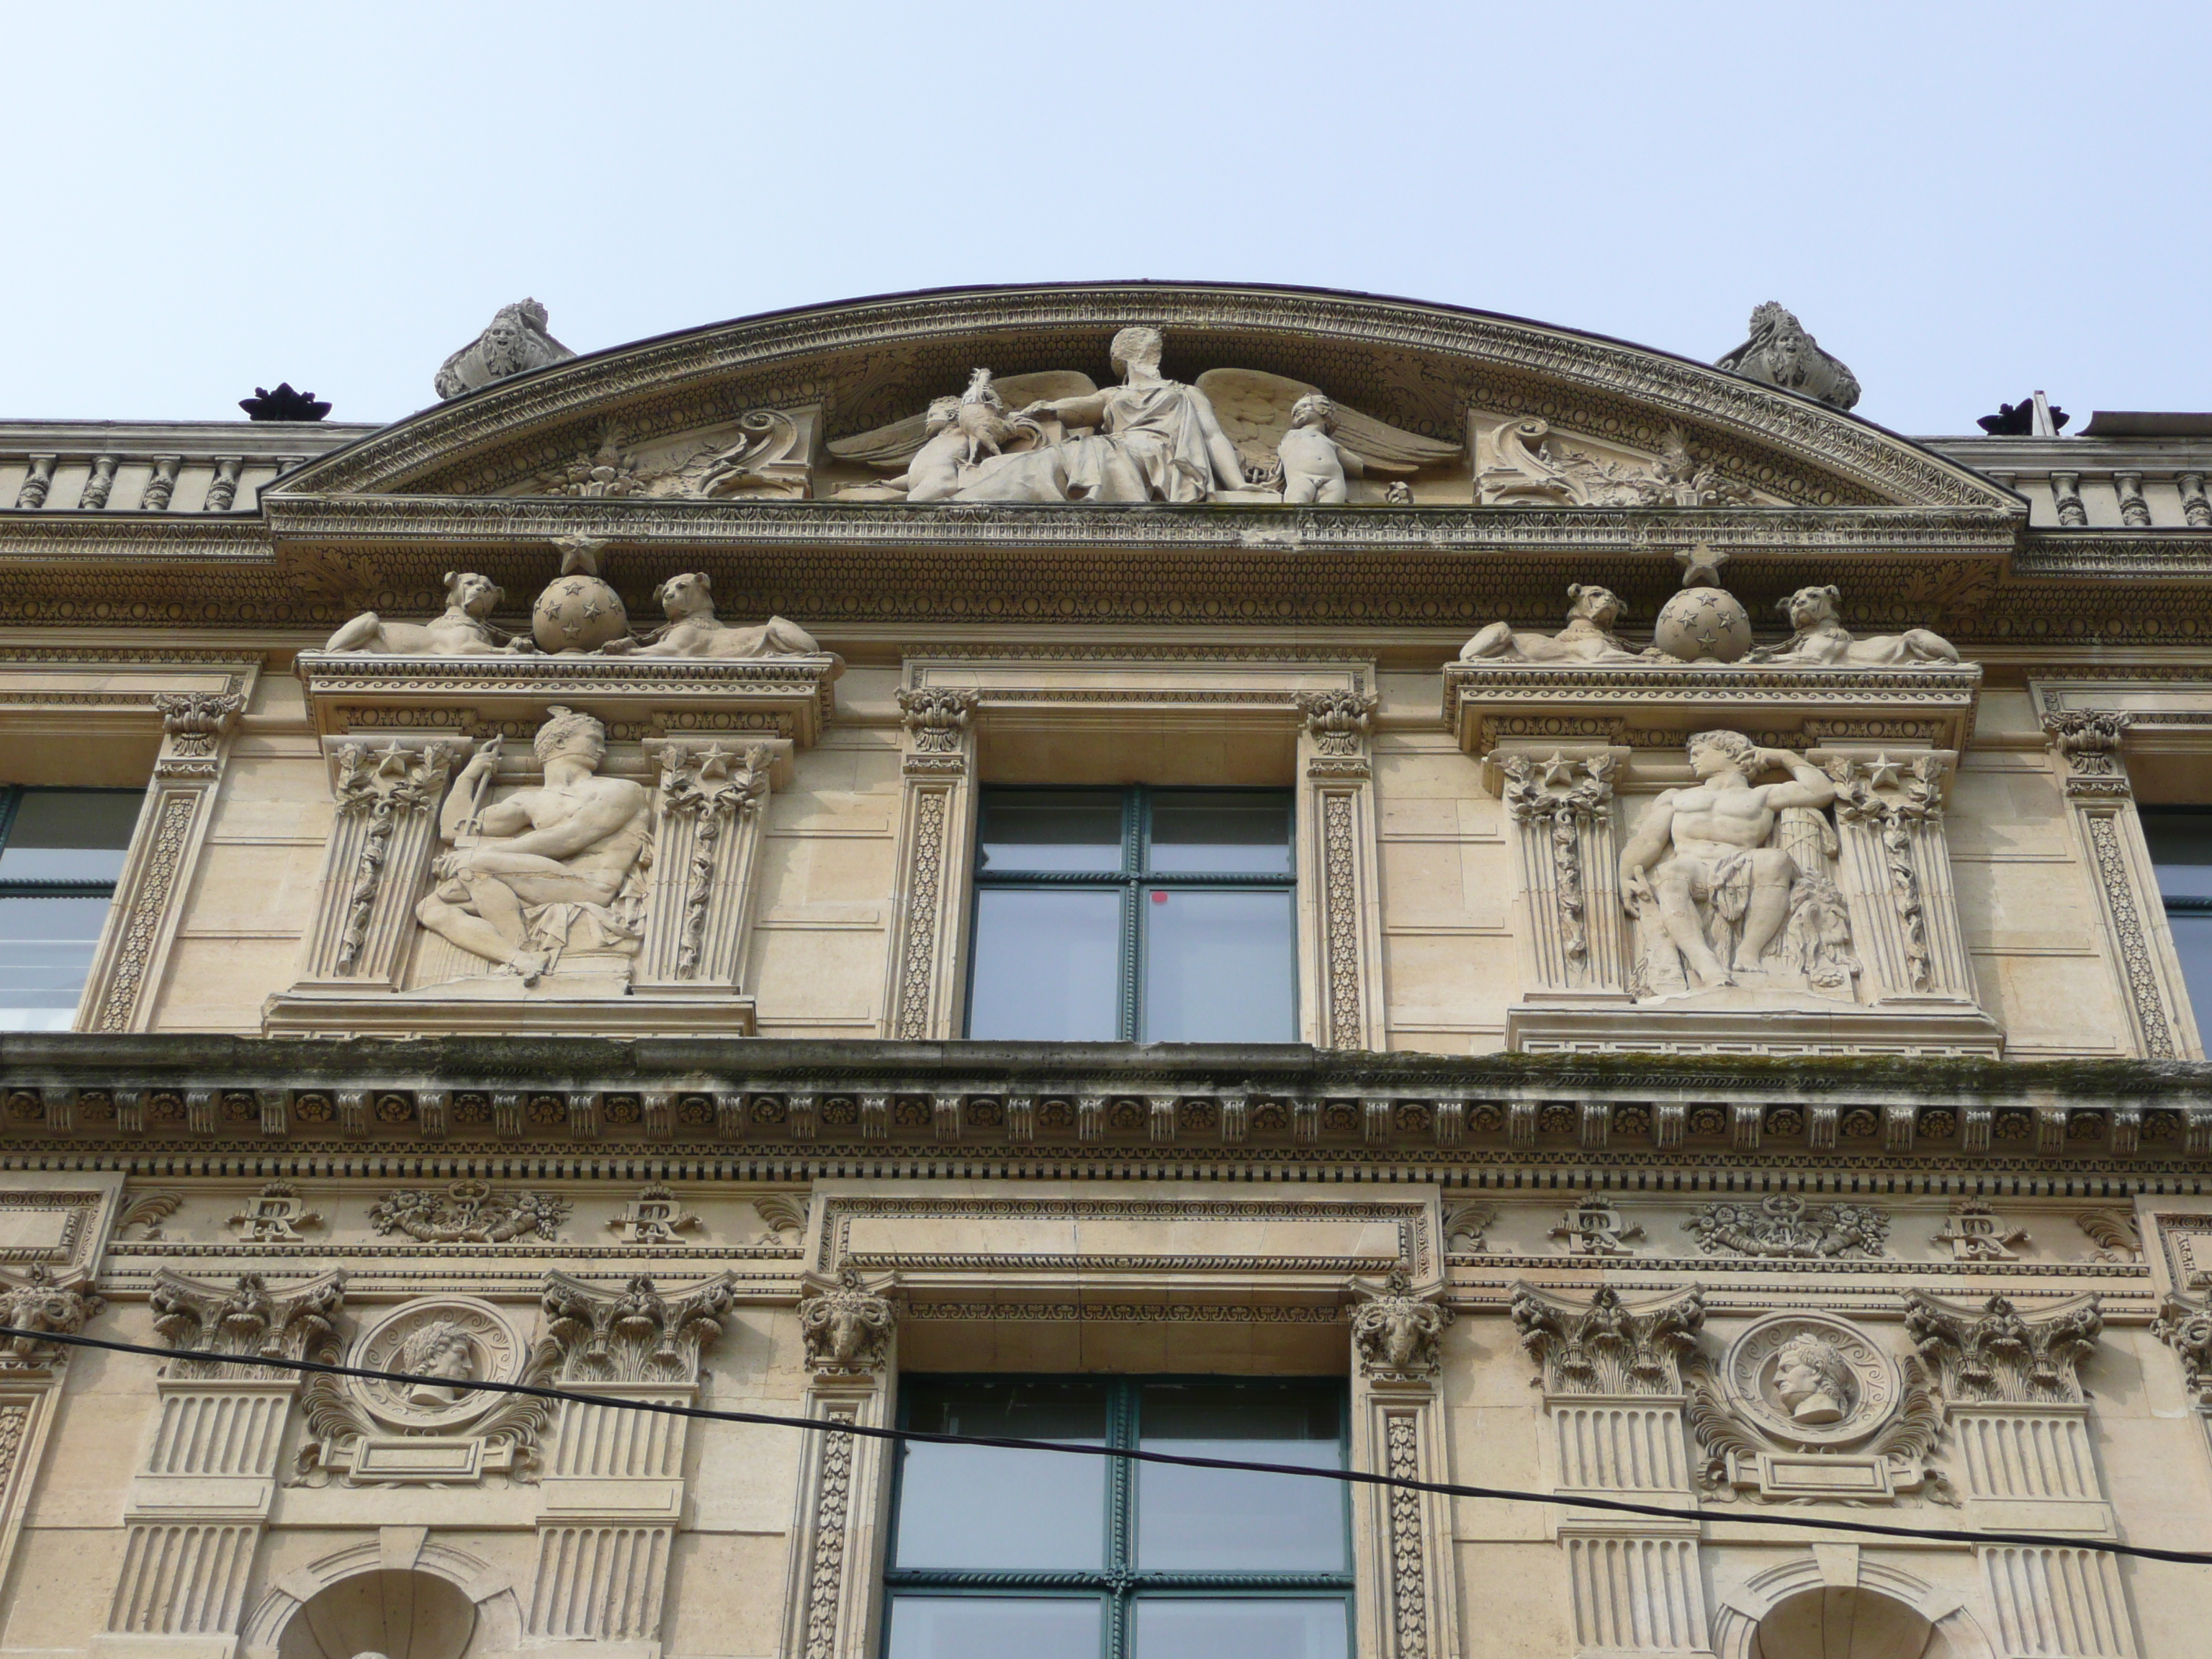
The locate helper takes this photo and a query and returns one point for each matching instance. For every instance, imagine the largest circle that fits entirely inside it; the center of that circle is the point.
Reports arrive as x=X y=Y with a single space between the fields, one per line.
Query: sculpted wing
x=1255 y=410
x=892 y=447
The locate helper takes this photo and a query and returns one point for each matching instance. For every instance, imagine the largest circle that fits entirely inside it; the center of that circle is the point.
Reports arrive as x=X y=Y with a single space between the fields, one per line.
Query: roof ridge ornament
x=1780 y=353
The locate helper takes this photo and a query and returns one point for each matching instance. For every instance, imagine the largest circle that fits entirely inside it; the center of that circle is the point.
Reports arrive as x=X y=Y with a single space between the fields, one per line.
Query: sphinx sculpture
x=1820 y=640
x=1148 y=439
x=1729 y=881
x=693 y=631
x=558 y=868
x=462 y=630
x=513 y=342
x=1587 y=637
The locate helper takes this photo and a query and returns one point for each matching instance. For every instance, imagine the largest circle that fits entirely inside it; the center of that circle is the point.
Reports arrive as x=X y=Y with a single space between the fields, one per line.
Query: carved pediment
x=694 y=415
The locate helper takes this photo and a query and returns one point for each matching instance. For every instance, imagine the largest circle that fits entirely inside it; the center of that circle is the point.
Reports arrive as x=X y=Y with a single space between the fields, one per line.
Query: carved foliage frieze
x=1784 y=1227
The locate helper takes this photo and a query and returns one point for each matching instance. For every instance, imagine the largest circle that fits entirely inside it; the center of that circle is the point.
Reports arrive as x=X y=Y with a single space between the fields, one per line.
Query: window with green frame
x=1148 y=915
x=2180 y=842
x=1004 y=1554
x=61 y=853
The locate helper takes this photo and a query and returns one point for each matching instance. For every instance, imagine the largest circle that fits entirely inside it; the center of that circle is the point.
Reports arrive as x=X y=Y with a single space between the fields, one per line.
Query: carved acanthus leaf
x=1396 y=1332
x=41 y=1301
x=248 y=1320
x=1606 y=1346
x=2117 y=1234
x=846 y=1323
x=635 y=1334
x=1996 y=1354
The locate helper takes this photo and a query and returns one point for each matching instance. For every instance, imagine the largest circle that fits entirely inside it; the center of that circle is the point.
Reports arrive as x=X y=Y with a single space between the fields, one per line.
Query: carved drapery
x=1407 y=1599
x=710 y=804
x=613 y=1491
x=2109 y=831
x=1614 y=1394
x=128 y=968
x=197 y=1507
x=1339 y=899
x=921 y=1000
x=849 y=1332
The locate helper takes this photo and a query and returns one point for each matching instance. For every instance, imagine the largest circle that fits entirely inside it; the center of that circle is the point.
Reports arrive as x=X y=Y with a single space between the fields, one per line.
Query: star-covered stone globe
x=578 y=611
x=1703 y=622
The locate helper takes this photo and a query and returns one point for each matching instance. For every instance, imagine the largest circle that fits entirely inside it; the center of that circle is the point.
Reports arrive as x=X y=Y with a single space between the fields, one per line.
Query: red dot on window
x=1158 y=897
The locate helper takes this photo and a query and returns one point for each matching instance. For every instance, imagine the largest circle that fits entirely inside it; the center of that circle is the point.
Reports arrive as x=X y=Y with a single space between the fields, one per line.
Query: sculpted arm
x=1353 y=466
x=1228 y=465
x=606 y=812
x=1654 y=832
x=455 y=819
x=1087 y=411
x=1810 y=786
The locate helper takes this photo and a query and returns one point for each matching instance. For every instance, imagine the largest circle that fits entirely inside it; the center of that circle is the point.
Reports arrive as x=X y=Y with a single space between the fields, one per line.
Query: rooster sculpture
x=986 y=422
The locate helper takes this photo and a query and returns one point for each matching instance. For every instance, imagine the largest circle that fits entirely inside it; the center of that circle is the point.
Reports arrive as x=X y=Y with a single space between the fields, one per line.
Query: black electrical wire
x=1350 y=1477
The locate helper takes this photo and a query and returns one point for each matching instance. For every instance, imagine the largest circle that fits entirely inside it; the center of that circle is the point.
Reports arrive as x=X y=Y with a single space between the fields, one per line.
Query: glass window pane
x=980 y=1507
x=993 y=1627
x=1219 y=1520
x=1028 y=829
x=2192 y=939
x=1221 y=833
x=2180 y=841
x=1218 y=966
x=69 y=834
x=1177 y=1627
x=1048 y=965
x=46 y=951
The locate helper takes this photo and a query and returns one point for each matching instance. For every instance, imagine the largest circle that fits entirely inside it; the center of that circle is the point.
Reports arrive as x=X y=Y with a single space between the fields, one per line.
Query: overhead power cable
x=1178 y=1460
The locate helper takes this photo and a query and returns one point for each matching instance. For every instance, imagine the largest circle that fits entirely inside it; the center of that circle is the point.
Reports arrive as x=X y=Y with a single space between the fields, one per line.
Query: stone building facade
x=1265 y=873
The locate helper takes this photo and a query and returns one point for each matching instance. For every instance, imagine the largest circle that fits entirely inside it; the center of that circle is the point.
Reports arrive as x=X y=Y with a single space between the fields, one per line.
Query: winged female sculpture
x=1148 y=439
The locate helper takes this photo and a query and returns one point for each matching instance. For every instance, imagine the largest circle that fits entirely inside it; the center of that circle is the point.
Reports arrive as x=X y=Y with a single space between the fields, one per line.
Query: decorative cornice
x=860 y=350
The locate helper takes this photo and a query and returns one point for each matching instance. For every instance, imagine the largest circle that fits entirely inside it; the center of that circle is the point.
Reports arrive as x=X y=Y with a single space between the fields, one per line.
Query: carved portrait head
x=1315 y=409
x=1712 y=752
x=687 y=595
x=1809 y=607
x=1813 y=1381
x=568 y=733
x=472 y=594
x=441 y=1348
x=513 y=341
x=1600 y=606
x=943 y=412
x=1140 y=345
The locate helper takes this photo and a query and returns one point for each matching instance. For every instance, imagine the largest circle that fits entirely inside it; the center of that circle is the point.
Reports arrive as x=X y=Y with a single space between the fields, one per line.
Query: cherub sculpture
x=1587 y=637
x=462 y=631
x=693 y=631
x=1315 y=465
x=514 y=343
x=1823 y=641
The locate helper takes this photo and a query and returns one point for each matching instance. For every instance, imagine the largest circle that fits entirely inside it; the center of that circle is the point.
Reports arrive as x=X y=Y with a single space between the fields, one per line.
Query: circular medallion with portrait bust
x=1810 y=1380
x=449 y=1341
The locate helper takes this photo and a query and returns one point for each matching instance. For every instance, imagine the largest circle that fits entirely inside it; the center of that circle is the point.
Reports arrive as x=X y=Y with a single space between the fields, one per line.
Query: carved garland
x=1340 y=899
x=2128 y=931
x=163 y=858
x=915 y=974
x=1409 y=1575
x=826 y=1581
x=1892 y=819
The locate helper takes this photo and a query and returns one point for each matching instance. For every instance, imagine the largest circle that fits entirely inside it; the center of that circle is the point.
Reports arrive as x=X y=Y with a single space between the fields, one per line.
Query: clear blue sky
x=1963 y=202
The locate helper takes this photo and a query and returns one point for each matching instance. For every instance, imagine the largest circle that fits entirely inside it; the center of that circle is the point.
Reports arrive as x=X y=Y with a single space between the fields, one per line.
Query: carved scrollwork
x=42 y=1302
x=1397 y=1332
x=469 y=1212
x=246 y=1320
x=1784 y=1227
x=1996 y=1354
x=635 y=1334
x=845 y=1325
x=1604 y=1346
